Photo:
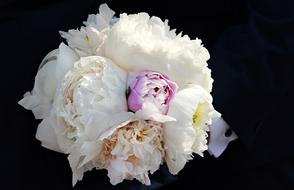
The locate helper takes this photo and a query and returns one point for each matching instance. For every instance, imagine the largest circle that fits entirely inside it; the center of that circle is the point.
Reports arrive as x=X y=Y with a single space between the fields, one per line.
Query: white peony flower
x=129 y=150
x=89 y=40
x=133 y=151
x=86 y=154
x=138 y=42
x=193 y=110
x=91 y=99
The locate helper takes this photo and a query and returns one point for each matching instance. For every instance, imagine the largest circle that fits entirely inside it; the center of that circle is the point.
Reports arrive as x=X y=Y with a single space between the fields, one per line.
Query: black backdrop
x=29 y=30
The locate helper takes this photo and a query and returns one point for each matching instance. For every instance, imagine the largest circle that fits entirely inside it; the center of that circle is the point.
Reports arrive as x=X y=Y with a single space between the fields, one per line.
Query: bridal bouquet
x=125 y=94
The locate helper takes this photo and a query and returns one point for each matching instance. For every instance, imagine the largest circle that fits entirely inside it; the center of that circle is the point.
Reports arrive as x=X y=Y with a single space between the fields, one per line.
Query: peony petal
x=179 y=141
x=156 y=161
x=52 y=55
x=74 y=159
x=40 y=107
x=39 y=100
x=60 y=129
x=115 y=127
x=116 y=176
x=102 y=20
x=45 y=81
x=65 y=61
x=150 y=112
x=106 y=13
x=90 y=150
x=47 y=136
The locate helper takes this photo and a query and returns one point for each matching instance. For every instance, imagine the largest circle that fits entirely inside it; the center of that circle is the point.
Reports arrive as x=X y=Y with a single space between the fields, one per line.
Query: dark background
x=29 y=30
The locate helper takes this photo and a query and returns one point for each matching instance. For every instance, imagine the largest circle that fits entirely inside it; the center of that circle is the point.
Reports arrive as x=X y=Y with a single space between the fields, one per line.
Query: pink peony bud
x=151 y=87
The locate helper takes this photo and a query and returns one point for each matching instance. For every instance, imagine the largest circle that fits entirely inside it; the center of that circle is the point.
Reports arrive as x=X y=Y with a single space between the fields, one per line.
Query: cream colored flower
x=138 y=42
x=90 y=100
x=133 y=151
x=193 y=110
x=129 y=150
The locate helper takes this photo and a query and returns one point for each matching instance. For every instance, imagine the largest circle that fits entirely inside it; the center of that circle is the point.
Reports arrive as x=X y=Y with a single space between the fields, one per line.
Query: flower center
x=198 y=117
x=125 y=139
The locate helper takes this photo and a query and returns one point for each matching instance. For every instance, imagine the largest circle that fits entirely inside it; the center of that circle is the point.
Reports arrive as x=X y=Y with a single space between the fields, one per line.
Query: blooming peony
x=138 y=42
x=134 y=150
x=130 y=150
x=90 y=99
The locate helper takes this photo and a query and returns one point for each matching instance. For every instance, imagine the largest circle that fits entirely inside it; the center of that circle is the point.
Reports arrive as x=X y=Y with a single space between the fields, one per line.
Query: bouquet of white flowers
x=126 y=94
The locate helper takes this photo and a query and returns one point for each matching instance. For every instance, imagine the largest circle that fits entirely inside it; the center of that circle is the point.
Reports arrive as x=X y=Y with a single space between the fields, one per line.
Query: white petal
x=156 y=161
x=115 y=127
x=52 y=55
x=65 y=61
x=45 y=81
x=144 y=179
x=74 y=159
x=90 y=149
x=60 y=129
x=117 y=171
x=106 y=13
x=47 y=136
x=179 y=141
x=40 y=107
x=151 y=112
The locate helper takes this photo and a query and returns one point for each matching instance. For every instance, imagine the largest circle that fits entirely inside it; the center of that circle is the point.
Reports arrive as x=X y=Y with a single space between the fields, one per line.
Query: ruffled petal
x=139 y=42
